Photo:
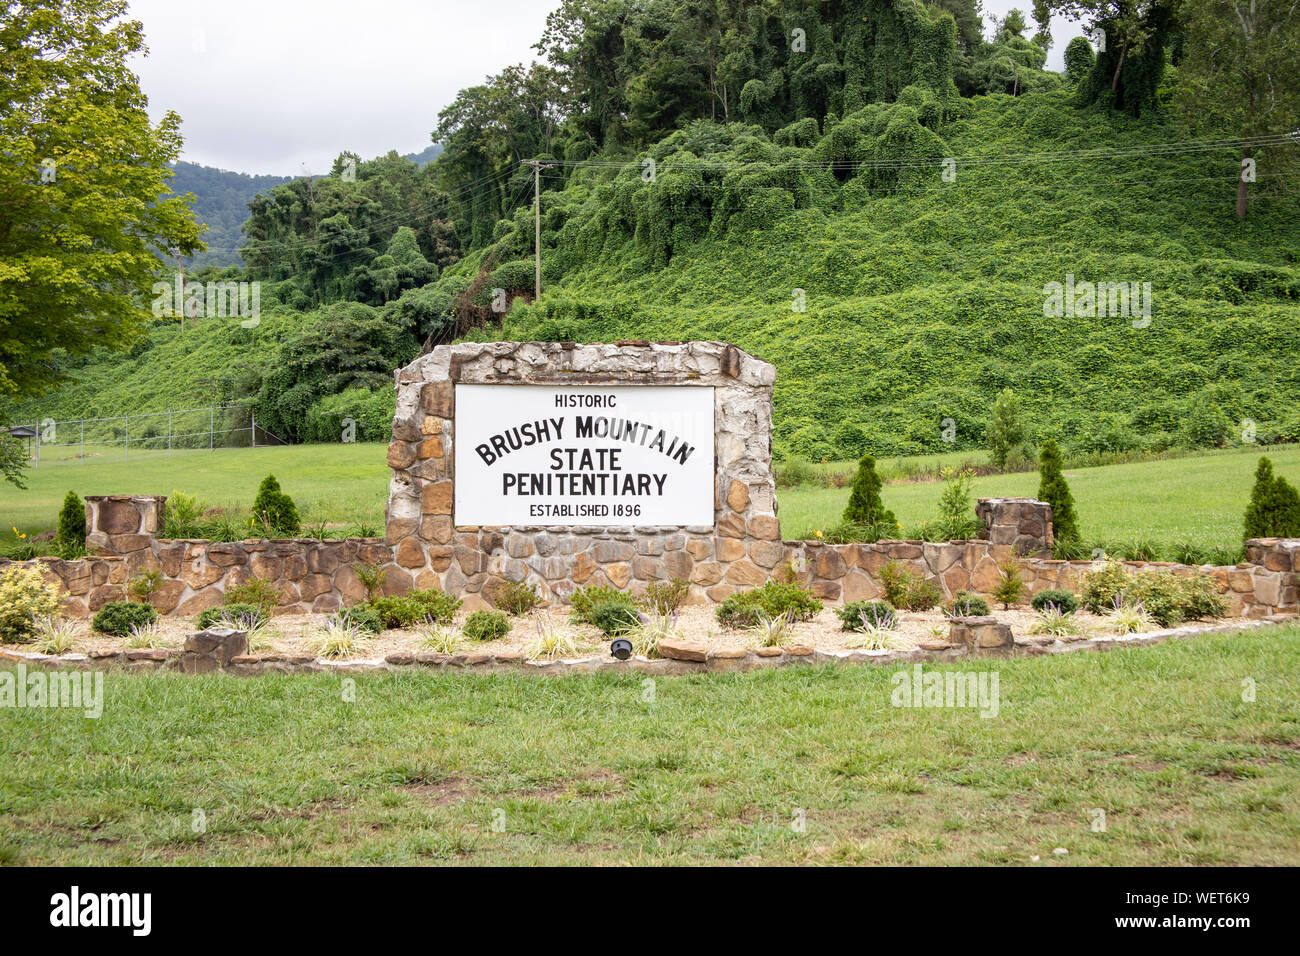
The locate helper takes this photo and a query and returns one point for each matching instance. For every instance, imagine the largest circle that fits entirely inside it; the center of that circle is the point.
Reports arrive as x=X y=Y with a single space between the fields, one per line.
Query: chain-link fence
x=79 y=440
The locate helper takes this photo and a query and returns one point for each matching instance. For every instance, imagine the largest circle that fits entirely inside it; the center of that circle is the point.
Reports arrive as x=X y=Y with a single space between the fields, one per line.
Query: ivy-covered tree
x=346 y=345
x=1006 y=429
x=1239 y=76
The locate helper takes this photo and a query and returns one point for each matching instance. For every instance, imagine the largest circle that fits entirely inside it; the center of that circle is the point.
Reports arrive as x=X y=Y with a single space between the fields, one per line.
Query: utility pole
x=538 y=166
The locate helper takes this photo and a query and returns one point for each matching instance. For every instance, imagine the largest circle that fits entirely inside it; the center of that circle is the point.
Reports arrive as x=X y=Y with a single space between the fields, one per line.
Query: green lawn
x=1199 y=499
x=343 y=483
x=709 y=768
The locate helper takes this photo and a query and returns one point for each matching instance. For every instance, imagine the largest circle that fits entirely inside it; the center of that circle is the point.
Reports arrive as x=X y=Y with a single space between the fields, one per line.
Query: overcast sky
x=282 y=86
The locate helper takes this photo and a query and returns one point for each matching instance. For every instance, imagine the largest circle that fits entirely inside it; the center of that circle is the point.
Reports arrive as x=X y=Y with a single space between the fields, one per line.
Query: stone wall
x=1256 y=588
x=313 y=576
x=318 y=576
x=743 y=547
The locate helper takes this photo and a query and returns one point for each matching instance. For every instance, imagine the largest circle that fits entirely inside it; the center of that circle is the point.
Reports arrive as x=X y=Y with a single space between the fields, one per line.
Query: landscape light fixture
x=621 y=648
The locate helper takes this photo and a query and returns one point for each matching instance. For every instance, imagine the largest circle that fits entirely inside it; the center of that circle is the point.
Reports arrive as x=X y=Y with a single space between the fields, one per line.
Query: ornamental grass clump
x=1129 y=618
x=54 y=635
x=486 y=626
x=1052 y=621
x=771 y=631
x=336 y=638
x=439 y=638
x=552 y=642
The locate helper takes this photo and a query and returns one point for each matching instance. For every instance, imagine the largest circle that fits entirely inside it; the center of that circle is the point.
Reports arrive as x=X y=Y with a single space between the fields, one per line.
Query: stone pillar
x=1023 y=523
x=122 y=524
x=740 y=547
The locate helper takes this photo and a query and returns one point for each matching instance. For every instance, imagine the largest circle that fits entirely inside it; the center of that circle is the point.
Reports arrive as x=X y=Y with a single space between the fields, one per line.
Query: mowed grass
x=343 y=483
x=1199 y=499
x=512 y=769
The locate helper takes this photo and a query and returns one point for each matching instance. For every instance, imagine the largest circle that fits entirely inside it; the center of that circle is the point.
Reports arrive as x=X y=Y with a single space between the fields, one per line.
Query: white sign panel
x=589 y=455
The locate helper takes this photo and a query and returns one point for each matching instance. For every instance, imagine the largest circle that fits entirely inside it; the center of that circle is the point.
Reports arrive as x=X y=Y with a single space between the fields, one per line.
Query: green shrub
x=773 y=599
x=957 y=519
x=1012 y=586
x=614 y=617
x=1099 y=588
x=25 y=597
x=907 y=589
x=879 y=612
x=408 y=609
x=486 y=626
x=144 y=584
x=274 y=511
x=848 y=533
x=364 y=617
x=118 y=617
x=582 y=602
x=70 y=540
x=865 y=505
x=232 y=610
x=260 y=591
x=183 y=516
x=664 y=597
x=1169 y=598
x=1063 y=600
x=371 y=576
x=1053 y=489
x=966 y=604
x=516 y=597
x=1274 y=509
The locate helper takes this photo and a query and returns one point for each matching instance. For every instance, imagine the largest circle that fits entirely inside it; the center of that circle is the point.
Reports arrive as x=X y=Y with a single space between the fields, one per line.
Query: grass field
x=1198 y=499
x=709 y=768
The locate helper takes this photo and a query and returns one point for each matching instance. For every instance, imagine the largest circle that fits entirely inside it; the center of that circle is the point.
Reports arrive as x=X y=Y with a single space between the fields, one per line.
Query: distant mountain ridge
x=221 y=202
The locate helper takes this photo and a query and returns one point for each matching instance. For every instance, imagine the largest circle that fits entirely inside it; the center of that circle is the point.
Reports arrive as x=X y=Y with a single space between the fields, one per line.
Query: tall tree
x=1240 y=74
x=85 y=211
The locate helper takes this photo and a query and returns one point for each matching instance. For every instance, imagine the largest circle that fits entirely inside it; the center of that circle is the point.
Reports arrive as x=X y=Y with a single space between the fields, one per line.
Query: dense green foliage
x=1064 y=601
x=773 y=599
x=118 y=617
x=70 y=538
x=364 y=617
x=221 y=199
x=878 y=613
x=25 y=597
x=967 y=604
x=1274 y=508
x=486 y=626
x=799 y=205
x=84 y=206
x=416 y=606
x=865 y=506
x=1169 y=598
x=584 y=602
x=274 y=510
x=1053 y=488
